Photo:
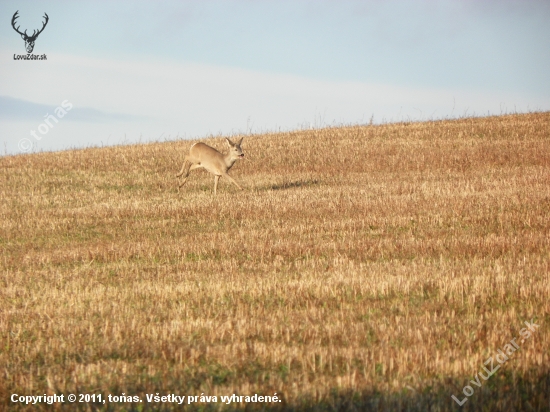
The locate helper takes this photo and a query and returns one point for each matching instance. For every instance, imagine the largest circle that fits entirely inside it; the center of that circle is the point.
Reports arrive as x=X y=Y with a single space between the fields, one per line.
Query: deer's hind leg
x=185 y=168
x=189 y=169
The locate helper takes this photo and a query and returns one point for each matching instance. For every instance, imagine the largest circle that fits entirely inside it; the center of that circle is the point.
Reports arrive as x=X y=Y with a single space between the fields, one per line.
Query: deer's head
x=29 y=40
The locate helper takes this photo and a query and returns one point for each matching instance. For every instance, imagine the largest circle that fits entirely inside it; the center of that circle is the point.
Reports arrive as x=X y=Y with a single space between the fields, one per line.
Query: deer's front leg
x=232 y=181
x=216 y=180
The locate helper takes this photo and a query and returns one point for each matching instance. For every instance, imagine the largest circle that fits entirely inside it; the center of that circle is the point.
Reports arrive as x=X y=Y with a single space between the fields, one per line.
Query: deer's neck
x=229 y=161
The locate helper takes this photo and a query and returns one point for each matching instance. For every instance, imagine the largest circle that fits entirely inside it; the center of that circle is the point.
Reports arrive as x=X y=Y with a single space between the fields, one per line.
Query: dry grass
x=363 y=267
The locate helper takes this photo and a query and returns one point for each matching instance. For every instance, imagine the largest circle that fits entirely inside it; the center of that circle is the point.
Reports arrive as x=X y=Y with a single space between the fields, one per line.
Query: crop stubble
x=381 y=264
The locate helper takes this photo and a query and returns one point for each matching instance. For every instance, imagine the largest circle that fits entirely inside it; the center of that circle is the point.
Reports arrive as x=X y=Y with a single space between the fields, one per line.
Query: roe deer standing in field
x=202 y=155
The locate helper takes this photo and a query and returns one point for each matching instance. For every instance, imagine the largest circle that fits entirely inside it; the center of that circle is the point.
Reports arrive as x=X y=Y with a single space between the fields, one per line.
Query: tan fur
x=202 y=155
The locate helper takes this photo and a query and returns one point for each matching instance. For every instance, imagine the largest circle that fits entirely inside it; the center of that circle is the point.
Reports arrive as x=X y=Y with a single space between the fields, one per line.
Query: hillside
x=371 y=267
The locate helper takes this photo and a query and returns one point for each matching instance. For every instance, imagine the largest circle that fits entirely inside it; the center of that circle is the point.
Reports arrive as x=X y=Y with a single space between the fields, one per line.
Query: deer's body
x=202 y=155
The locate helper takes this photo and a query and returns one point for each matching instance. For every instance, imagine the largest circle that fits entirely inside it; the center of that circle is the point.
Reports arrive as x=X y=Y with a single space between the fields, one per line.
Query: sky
x=140 y=71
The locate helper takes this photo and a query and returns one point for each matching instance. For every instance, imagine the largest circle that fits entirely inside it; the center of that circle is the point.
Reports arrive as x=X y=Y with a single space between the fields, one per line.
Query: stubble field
x=362 y=268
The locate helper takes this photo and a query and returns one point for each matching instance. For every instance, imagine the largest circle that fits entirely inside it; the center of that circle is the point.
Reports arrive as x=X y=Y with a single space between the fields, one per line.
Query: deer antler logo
x=29 y=40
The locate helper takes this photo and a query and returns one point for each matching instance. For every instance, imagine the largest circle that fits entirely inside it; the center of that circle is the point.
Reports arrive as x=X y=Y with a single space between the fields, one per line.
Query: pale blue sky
x=152 y=70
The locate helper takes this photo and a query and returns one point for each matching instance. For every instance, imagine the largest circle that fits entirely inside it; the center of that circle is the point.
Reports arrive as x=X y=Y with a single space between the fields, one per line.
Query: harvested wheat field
x=372 y=267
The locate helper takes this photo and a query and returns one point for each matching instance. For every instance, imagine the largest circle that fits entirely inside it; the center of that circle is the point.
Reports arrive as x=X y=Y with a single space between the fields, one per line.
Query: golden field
x=362 y=268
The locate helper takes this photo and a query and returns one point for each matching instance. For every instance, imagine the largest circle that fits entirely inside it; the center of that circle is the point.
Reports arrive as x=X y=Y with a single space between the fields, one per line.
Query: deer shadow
x=294 y=184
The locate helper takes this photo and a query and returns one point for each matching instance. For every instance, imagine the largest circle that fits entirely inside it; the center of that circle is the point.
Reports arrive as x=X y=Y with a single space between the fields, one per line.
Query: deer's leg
x=232 y=181
x=186 y=165
x=192 y=167
x=216 y=180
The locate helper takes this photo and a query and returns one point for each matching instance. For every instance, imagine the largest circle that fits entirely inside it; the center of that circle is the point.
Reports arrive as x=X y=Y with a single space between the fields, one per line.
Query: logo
x=29 y=40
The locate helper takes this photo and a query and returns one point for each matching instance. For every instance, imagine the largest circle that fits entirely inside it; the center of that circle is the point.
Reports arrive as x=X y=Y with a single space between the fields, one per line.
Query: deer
x=29 y=40
x=202 y=155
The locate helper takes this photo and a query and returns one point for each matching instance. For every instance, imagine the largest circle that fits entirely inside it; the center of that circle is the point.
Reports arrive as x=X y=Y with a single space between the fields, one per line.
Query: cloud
x=18 y=109
x=166 y=98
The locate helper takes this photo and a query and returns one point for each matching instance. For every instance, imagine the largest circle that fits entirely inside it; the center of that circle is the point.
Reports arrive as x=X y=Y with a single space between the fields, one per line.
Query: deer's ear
x=23 y=36
x=240 y=141
x=229 y=142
